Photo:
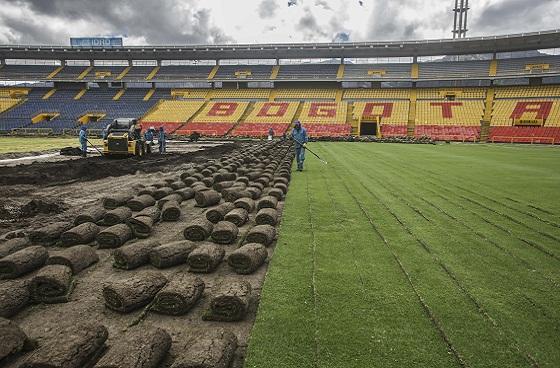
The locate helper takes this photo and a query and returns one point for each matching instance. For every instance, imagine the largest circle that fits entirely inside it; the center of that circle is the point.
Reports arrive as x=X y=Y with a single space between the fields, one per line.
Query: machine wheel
x=143 y=148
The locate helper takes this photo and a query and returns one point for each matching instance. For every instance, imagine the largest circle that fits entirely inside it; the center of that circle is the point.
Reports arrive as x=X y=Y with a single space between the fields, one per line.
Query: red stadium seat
x=206 y=129
x=257 y=130
x=448 y=132
x=510 y=134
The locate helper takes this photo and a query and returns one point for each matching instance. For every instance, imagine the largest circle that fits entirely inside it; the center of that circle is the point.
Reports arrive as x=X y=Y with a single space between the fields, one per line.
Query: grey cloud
x=267 y=8
x=387 y=23
x=341 y=37
x=515 y=16
x=309 y=26
x=162 y=22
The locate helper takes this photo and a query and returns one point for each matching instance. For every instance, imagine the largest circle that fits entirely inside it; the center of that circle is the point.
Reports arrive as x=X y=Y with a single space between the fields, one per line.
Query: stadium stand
x=240 y=94
x=308 y=71
x=26 y=72
x=454 y=69
x=244 y=72
x=216 y=118
x=104 y=72
x=377 y=71
x=183 y=72
x=376 y=94
x=266 y=115
x=171 y=114
x=534 y=65
x=323 y=119
x=137 y=73
x=302 y=94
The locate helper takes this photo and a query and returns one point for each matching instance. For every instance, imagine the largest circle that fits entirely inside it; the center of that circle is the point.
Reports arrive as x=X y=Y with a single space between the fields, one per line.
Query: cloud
x=516 y=16
x=309 y=26
x=153 y=22
x=341 y=37
x=267 y=8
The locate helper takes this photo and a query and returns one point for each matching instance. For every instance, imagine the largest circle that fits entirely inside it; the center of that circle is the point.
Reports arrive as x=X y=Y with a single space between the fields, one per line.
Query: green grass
x=35 y=144
x=416 y=256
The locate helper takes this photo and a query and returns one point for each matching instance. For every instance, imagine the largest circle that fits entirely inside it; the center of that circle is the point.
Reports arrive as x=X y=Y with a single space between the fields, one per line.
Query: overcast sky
x=262 y=21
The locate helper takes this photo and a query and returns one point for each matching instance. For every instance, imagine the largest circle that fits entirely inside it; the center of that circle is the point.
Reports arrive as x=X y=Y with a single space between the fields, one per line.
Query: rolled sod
x=52 y=284
x=179 y=295
x=114 y=236
x=162 y=192
x=237 y=216
x=248 y=258
x=12 y=338
x=173 y=197
x=229 y=302
x=116 y=200
x=190 y=180
x=140 y=348
x=235 y=194
x=140 y=202
x=207 y=198
x=208 y=182
x=276 y=193
x=81 y=234
x=134 y=255
x=198 y=229
x=171 y=211
x=267 y=202
x=14 y=296
x=217 y=213
x=257 y=185
x=213 y=350
x=117 y=216
x=262 y=234
x=255 y=192
x=224 y=232
x=185 y=193
x=199 y=188
x=221 y=177
x=78 y=258
x=176 y=185
x=147 y=190
x=248 y=204
x=222 y=185
x=49 y=234
x=242 y=179
x=282 y=187
x=14 y=234
x=267 y=216
x=77 y=346
x=143 y=222
x=22 y=262
x=281 y=180
x=92 y=215
x=171 y=254
x=205 y=258
x=133 y=292
x=13 y=245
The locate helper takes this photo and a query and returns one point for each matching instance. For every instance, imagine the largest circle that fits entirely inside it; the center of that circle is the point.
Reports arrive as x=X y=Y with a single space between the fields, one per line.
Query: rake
x=310 y=151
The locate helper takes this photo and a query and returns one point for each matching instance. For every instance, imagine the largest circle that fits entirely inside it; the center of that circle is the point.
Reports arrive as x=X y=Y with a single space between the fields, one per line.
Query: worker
x=299 y=135
x=83 y=140
x=149 y=136
x=161 y=140
x=270 y=133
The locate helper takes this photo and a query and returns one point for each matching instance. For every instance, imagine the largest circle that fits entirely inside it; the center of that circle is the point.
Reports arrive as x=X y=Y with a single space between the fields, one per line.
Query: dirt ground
x=43 y=192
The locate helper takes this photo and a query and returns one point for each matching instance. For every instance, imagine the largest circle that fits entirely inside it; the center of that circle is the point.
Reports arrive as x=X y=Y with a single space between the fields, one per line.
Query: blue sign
x=101 y=42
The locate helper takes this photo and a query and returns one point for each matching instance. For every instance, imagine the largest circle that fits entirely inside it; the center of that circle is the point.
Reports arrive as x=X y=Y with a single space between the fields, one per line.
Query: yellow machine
x=124 y=138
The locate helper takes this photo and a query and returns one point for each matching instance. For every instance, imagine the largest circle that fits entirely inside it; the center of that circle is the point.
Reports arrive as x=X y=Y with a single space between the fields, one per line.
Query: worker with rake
x=299 y=135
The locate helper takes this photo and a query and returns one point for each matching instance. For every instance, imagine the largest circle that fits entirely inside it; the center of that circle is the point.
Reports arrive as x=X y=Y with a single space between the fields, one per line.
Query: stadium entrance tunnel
x=368 y=128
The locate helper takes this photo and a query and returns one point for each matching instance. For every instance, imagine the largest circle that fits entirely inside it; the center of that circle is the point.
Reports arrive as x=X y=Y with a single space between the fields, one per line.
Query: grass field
x=416 y=256
x=24 y=144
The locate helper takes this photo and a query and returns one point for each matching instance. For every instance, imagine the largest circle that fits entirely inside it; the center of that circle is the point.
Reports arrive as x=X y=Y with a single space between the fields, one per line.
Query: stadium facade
x=499 y=88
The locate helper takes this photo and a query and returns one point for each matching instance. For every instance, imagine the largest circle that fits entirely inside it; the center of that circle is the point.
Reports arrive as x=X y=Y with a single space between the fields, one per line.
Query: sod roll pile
x=134 y=255
x=81 y=234
x=12 y=338
x=14 y=296
x=77 y=346
x=198 y=229
x=217 y=213
x=78 y=258
x=94 y=215
x=116 y=200
x=213 y=350
x=47 y=235
x=205 y=258
x=140 y=348
x=230 y=301
x=114 y=236
x=207 y=198
x=224 y=232
x=52 y=284
x=171 y=254
x=23 y=261
x=237 y=216
x=262 y=234
x=133 y=292
x=117 y=216
x=140 y=202
x=248 y=258
x=10 y=246
x=179 y=295
x=267 y=216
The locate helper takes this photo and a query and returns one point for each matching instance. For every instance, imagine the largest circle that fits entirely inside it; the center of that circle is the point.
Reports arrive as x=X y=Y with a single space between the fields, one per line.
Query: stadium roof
x=475 y=45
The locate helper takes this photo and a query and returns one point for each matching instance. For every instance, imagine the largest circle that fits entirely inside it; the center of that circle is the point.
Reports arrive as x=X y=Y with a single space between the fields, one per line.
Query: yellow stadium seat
x=173 y=111
x=272 y=112
x=440 y=112
x=390 y=111
x=324 y=113
x=221 y=112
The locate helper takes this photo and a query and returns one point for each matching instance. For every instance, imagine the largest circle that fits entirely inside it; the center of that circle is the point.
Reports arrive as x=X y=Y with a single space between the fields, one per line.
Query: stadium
x=423 y=230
